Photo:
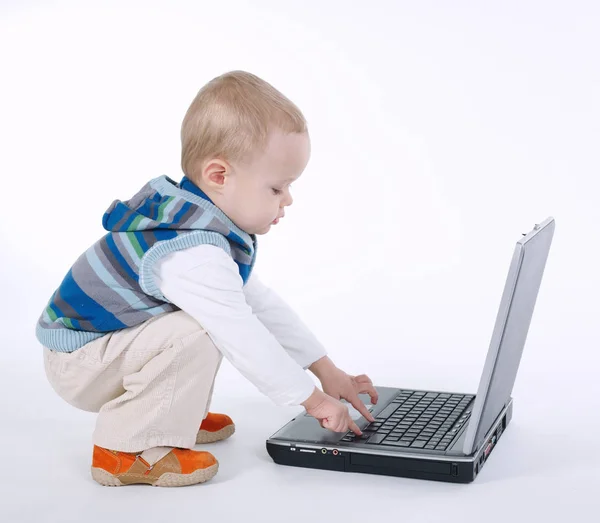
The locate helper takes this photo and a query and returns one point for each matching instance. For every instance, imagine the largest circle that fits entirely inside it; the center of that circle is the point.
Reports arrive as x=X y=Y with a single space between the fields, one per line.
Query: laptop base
x=447 y=468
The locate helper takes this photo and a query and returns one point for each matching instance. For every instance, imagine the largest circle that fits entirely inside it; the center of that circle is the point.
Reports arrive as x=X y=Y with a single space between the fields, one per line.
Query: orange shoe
x=215 y=428
x=178 y=468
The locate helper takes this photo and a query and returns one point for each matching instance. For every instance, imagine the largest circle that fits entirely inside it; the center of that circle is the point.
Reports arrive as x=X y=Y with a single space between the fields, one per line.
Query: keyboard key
x=387 y=412
x=392 y=438
x=396 y=443
x=418 y=444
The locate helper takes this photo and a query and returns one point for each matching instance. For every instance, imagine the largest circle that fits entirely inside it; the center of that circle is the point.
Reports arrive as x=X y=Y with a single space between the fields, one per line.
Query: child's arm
x=206 y=284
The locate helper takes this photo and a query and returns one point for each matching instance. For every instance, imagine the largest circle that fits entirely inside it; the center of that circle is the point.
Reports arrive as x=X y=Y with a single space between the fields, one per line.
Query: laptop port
x=487 y=450
x=336 y=452
x=323 y=451
x=454 y=469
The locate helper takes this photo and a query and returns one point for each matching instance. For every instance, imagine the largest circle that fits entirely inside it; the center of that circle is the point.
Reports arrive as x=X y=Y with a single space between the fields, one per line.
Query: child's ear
x=214 y=173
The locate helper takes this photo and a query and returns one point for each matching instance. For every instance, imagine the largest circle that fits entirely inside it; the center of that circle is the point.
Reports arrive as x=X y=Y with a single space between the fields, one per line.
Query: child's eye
x=276 y=191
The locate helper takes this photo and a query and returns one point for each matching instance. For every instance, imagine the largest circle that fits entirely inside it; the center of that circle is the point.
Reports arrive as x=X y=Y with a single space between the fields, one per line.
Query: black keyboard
x=422 y=420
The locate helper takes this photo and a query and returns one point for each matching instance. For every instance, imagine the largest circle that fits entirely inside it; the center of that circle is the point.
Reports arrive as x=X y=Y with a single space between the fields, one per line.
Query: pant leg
x=210 y=392
x=150 y=383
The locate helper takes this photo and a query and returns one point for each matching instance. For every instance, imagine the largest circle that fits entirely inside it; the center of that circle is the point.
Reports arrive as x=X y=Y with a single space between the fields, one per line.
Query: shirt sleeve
x=204 y=282
x=283 y=322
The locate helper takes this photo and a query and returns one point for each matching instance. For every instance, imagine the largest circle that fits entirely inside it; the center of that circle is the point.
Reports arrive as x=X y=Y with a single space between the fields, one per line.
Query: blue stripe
x=142 y=241
x=115 y=252
x=56 y=310
x=164 y=234
x=110 y=220
x=182 y=211
x=187 y=185
x=85 y=307
x=244 y=271
x=233 y=236
x=148 y=209
x=127 y=223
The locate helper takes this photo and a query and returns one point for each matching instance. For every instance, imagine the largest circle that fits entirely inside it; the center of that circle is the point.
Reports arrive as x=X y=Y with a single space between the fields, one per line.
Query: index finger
x=354 y=427
x=362 y=408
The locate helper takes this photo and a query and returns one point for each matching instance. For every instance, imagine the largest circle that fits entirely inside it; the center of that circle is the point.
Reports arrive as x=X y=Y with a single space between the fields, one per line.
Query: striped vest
x=111 y=285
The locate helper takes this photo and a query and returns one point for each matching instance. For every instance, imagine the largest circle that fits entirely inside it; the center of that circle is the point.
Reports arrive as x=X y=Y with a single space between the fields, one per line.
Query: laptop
x=434 y=435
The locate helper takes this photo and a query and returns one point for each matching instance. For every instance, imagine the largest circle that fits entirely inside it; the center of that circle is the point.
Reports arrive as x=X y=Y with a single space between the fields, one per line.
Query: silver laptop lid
x=510 y=332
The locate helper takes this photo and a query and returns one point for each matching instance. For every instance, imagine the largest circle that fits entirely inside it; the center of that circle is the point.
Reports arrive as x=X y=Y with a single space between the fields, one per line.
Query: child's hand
x=331 y=413
x=338 y=384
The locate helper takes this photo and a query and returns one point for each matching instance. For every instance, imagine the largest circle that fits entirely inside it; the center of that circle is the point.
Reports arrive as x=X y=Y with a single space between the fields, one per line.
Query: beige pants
x=151 y=384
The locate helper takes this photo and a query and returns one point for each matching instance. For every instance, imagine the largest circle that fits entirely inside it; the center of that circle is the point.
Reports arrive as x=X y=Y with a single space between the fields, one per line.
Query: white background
x=440 y=131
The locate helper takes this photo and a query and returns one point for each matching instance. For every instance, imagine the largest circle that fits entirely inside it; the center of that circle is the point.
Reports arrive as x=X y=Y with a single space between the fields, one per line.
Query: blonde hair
x=231 y=117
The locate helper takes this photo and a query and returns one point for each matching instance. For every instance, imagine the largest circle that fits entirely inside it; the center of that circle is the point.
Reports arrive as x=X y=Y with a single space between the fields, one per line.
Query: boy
x=137 y=329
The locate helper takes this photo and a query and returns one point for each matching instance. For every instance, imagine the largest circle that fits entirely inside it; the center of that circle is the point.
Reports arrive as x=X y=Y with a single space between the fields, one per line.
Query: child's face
x=254 y=195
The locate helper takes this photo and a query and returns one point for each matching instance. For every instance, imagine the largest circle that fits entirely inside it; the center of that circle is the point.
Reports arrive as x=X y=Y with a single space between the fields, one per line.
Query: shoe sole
x=204 y=436
x=168 y=479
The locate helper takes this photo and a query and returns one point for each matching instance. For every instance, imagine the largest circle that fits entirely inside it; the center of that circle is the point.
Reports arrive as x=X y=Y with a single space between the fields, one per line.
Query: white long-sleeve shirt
x=250 y=324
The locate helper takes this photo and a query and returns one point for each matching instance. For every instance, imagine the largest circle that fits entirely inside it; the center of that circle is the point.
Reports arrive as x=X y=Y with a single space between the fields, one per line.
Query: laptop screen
x=510 y=332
